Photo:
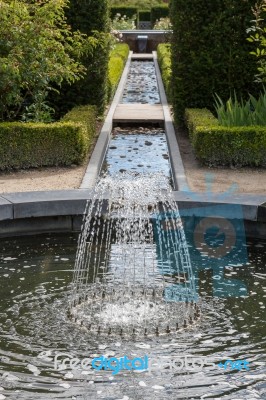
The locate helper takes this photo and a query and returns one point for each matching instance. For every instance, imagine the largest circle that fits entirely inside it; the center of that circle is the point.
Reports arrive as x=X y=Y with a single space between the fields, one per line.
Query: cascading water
x=133 y=251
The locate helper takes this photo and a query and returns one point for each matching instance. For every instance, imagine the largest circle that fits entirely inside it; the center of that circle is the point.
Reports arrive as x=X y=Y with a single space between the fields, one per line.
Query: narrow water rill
x=133 y=273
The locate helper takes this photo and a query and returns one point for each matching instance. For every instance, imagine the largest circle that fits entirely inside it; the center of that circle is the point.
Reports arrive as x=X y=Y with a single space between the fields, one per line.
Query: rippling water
x=35 y=277
x=141 y=85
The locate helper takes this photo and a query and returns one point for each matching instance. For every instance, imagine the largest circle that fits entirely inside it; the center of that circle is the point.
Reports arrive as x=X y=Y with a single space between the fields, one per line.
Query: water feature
x=35 y=286
x=133 y=285
x=141 y=86
x=138 y=150
x=133 y=273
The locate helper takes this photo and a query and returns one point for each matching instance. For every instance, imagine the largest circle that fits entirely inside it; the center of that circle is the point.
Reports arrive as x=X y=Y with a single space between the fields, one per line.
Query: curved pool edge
x=62 y=210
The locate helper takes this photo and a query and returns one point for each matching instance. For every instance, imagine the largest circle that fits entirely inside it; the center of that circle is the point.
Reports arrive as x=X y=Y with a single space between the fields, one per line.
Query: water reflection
x=34 y=326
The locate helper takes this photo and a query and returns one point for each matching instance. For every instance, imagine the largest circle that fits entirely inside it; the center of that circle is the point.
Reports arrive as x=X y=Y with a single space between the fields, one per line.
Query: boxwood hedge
x=219 y=145
x=164 y=60
x=25 y=145
x=159 y=12
x=118 y=58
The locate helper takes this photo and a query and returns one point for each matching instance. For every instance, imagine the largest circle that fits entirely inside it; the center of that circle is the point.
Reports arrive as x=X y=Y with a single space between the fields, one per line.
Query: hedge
x=87 y=16
x=217 y=145
x=128 y=11
x=25 y=145
x=118 y=58
x=144 y=15
x=210 y=52
x=164 y=60
x=159 y=12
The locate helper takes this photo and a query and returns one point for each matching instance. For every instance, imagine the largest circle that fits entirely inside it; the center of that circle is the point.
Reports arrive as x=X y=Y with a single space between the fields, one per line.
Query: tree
x=37 y=49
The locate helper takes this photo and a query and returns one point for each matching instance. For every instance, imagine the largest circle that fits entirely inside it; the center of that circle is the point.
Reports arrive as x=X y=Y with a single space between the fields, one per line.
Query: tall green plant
x=91 y=17
x=241 y=113
x=210 y=52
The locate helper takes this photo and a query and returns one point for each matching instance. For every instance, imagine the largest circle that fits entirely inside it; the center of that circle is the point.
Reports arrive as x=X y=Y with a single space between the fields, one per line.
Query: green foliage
x=210 y=52
x=230 y=146
x=122 y=22
x=144 y=15
x=164 y=60
x=159 y=12
x=37 y=49
x=235 y=113
x=25 y=145
x=163 y=24
x=118 y=58
x=88 y=16
x=257 y=36
x=140 y=4
x=198 y=117
x=129 y=12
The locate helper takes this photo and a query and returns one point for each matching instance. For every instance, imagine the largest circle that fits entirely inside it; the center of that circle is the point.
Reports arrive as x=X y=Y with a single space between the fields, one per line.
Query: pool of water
x=35 y=281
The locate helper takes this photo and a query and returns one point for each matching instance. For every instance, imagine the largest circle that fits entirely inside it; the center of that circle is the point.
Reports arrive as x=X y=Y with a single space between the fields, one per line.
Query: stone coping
x=145 y=32
x=14 y=206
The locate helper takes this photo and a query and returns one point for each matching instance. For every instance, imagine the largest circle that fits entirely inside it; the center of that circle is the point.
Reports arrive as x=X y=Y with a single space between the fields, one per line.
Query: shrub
x=210 y=52
x=257 y=36
x=159 y=12
x=144 y=15
x=163 y=24
x=37 y=49
x=25 y=145
x=164 y=60
x=123 y=22
x=118 y=58
x=219 y=145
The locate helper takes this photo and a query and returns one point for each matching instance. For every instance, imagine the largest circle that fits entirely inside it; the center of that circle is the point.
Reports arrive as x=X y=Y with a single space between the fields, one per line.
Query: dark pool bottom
x=35 y=283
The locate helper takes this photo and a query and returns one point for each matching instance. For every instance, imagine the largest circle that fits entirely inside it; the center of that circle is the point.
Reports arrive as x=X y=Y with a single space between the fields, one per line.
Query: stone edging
x=99 y=151
x=178 y=170
x=36 y=212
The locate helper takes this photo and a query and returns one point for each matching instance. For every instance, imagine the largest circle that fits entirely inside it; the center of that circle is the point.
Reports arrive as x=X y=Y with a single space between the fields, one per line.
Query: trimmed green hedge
x=25 y=145
x=144 y=15
x=210 y=52
x=159 y=12
x=118 y=58
x=164 y=60
x=128 y=11
x=89 y=17
x=219 y=145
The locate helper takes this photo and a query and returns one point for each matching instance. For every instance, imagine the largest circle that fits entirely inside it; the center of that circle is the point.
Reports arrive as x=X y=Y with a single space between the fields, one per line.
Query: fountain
x=134 y=292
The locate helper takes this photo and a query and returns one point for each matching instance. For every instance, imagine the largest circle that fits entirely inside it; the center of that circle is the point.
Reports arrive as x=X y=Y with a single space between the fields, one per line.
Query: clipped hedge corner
x=25 y=145
x=219 y=145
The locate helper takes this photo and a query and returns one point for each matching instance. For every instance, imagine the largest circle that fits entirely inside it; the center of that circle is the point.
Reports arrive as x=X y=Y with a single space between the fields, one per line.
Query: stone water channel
x=36 y=285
